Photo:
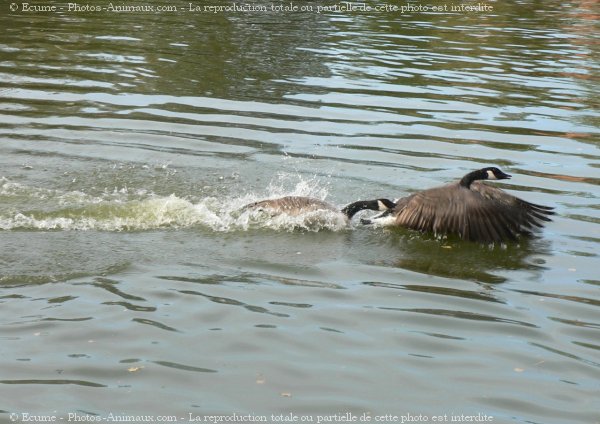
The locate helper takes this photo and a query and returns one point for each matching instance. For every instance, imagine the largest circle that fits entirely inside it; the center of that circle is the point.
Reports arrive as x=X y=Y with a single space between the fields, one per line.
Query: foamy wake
x=126 y=210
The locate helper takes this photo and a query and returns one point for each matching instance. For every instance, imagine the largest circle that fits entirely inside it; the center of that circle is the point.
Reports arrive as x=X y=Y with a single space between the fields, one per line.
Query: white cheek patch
x=381 y=206
x=490 y=175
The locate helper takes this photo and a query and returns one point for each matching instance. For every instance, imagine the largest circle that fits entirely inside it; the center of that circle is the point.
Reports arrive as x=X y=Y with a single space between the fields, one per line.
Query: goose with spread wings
x=468 y=208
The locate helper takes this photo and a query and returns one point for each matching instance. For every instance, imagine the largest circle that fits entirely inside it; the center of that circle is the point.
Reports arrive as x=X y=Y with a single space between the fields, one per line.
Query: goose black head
x=374 y=205
x=385 y=204
x=491 y=173
x=494 y=173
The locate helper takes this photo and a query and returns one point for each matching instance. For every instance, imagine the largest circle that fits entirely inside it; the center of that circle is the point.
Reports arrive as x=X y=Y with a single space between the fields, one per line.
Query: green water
x=130 y=283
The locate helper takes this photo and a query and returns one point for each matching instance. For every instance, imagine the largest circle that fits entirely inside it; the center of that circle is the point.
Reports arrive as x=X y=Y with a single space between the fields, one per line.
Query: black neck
x=374 y=205
x=353 y=208
x=466 y=181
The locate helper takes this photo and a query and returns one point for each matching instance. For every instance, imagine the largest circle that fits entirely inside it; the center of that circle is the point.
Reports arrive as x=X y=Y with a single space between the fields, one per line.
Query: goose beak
x=499 y=175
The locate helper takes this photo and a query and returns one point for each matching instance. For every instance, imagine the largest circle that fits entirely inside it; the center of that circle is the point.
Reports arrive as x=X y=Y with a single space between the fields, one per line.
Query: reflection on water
x=128 y=143
x=456 y=259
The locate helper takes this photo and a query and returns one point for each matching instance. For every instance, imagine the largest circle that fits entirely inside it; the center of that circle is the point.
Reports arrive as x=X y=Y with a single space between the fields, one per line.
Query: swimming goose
x=468 y=208
x=297 y=205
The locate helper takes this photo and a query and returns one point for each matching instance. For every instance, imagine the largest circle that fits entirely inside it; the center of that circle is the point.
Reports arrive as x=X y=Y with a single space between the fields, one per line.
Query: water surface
x=131 y=283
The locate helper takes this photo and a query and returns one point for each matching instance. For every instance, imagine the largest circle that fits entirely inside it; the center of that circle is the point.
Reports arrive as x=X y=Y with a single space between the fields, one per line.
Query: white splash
x=138 y=210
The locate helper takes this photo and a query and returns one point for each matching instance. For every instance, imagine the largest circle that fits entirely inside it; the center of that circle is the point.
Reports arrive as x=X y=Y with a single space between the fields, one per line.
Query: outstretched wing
x=526 y=213
x=483 y=214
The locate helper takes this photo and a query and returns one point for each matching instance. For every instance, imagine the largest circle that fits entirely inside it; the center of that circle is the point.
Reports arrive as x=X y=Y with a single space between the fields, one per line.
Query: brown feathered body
x=478 y=213
x=292 y=205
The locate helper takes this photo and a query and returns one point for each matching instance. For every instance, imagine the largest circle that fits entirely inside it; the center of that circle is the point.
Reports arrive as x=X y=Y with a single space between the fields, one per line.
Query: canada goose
x=470 y=209
x=297 y=205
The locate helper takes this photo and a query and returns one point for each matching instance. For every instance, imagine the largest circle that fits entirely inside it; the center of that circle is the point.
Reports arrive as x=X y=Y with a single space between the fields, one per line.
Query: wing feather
x=481 y=213
x=525 y=213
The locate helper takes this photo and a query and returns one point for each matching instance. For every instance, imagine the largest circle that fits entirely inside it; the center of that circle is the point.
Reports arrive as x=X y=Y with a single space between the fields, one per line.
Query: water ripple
x=52 y=382
x=462 y=315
